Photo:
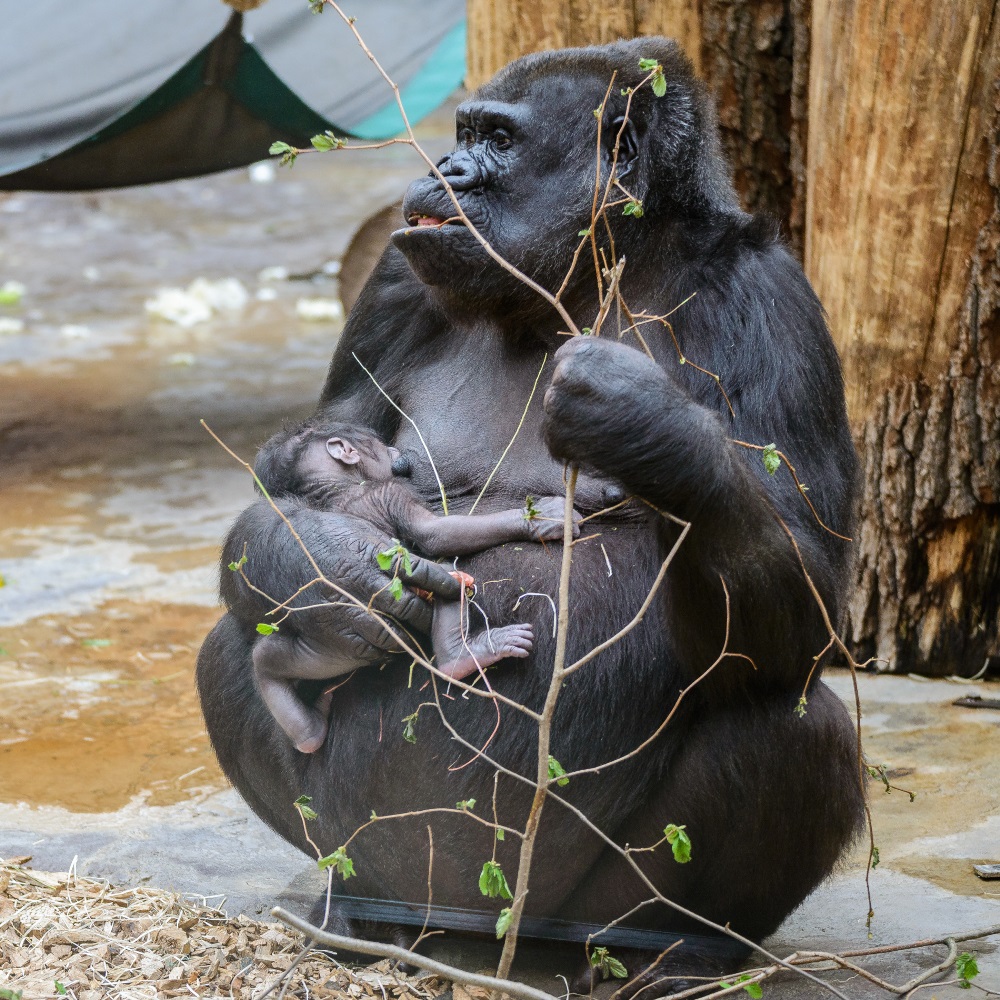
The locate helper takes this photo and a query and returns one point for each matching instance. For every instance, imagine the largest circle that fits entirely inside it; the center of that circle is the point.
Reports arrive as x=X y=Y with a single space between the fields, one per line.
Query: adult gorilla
x=770 y=799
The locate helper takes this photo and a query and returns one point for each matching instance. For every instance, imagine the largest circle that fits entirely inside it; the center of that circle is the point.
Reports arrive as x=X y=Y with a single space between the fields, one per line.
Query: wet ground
x=113 y=501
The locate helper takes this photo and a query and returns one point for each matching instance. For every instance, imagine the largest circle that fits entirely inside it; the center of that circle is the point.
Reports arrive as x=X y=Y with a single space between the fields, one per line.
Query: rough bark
x=903 y=231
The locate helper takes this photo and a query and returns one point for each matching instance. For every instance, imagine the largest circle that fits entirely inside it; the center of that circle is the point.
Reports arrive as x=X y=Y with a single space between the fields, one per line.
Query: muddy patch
x=100 y=708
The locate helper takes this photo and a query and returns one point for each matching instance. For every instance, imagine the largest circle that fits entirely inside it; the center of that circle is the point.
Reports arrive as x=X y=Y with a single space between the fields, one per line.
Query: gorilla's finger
x=410 y=609
x=432 y=576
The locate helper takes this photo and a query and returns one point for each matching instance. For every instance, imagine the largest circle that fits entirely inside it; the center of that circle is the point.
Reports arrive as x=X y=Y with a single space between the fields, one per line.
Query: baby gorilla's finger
x=432 y=576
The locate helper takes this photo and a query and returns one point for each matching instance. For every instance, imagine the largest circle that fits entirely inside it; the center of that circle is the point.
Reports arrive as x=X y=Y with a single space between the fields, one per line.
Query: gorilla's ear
x=343 y=451
x=628 y=145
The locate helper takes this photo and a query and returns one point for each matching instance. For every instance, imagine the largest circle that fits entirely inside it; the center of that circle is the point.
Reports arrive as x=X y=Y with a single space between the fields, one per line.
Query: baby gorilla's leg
x=458 y=657
x=278 y=662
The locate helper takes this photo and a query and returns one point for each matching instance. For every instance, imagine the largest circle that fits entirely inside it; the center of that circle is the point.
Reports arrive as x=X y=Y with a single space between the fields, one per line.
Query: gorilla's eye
x=502 y=141
x=466 y=137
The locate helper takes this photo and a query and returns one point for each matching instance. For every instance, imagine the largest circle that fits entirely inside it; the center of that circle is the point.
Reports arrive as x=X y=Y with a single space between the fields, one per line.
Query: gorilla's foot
x=683 y=967
x=483 y=650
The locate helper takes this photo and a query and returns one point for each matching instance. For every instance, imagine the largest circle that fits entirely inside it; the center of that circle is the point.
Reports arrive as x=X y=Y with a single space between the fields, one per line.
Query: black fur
x=770 y=799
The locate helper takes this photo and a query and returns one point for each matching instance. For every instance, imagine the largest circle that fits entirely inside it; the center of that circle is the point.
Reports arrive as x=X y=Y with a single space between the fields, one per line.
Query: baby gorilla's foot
x=482 y=651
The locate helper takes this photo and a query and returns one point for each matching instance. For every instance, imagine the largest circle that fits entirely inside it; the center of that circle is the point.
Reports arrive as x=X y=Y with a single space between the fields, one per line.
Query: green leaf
x=967 y=969
x=384 y=560
x=659 y=84
x=633 y=207
x=493 y=882
x=601 y=958
x=597 y=112
x=500 y=834
x=584 y=232
x=800 y=708
x=6 y=994
x=326 y=141
x=286 y=152
x=60 y=989
x=875 y=858
x=237 y=566
x=396 y=588
x=679 y=841
x=410 y=727
x=557 y=772
x=503 y=922
x=316 y=6
x=96 y=643
x=772 y=461
x=587 y=331
x=340 y=861
x=648 y=64
x=265 y=629
x=407 y=561
x=302 y=804
x=617 y=969
x=469 y=804
x=754 y=989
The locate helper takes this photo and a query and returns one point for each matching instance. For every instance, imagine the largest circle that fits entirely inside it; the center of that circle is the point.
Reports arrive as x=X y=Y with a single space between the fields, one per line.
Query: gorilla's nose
x=461 y=171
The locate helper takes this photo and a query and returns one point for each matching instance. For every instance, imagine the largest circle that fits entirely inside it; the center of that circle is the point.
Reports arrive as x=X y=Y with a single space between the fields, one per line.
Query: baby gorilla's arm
x=464 y=534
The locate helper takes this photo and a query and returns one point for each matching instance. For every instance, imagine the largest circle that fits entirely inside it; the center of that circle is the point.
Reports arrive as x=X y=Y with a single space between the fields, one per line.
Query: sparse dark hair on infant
x=277 y=465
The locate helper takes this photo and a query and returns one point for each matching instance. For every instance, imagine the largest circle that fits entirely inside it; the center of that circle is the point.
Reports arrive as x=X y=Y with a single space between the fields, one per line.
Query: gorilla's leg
x=770 y=800
x=278 y=661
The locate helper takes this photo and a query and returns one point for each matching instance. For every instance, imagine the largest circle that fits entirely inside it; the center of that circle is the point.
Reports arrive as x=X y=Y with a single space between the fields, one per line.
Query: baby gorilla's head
x=318 y=456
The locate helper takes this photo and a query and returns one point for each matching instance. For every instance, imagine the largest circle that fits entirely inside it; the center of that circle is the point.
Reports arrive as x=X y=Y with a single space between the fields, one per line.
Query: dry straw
x=65 y=935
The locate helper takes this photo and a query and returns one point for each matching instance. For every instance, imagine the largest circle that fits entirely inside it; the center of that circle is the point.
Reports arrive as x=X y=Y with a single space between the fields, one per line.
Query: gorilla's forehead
x=545 y=90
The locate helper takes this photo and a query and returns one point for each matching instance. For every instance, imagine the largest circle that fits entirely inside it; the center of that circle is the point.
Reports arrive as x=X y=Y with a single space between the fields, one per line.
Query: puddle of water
x=99 y=708
x=947 y=756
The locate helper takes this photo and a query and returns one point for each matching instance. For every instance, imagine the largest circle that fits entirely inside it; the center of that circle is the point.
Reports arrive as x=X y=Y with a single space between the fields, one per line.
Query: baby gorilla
x=348 y=469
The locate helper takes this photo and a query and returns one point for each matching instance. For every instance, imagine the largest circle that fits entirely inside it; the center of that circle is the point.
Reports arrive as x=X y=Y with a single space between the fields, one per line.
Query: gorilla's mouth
x=430 y=220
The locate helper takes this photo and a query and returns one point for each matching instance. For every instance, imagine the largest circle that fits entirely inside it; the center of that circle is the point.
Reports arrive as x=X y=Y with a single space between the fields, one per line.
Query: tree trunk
x=903 y=230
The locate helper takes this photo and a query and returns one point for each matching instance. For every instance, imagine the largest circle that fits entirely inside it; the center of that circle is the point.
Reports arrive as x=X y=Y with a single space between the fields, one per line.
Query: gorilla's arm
x=345 y=550
x=612 y=409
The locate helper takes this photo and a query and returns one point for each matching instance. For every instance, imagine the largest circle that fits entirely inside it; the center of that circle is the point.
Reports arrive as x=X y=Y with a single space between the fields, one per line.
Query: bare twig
x=392 y=951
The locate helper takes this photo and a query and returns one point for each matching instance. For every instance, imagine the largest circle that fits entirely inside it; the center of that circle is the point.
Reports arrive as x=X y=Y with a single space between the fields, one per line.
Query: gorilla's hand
x=354 y=567
x=346 y=551
x=600 y=401
x=547 y=519
x=612 y=410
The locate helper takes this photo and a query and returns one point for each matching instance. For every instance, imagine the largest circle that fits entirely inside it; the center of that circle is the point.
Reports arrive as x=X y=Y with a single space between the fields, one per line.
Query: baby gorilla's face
x=336 y=459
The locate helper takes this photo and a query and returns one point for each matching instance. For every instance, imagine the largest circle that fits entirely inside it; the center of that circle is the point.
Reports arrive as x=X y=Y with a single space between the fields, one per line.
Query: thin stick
x=640 y=614
x=392 y=951
x=544 y=733
x=510 y=444
x=413 y=424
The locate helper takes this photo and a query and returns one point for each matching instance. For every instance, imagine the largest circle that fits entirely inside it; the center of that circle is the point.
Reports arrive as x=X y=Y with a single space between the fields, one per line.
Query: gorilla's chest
x=472 y=410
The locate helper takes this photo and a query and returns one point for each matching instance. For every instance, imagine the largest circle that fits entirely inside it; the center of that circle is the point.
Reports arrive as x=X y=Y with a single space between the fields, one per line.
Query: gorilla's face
x=523 y=171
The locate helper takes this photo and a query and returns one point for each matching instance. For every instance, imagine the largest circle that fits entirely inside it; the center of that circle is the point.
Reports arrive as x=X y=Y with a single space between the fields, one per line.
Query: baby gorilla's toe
x=514 y=640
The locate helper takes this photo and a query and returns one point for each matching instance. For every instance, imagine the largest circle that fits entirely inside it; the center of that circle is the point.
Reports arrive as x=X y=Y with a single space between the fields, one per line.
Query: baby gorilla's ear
x=343 y=451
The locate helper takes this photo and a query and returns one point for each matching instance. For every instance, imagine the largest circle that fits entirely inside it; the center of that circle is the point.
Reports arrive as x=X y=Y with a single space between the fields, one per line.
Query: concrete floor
x=113 y=501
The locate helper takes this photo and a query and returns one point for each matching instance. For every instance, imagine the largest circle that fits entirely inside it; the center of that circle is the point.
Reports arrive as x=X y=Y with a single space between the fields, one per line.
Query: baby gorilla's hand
x=545 y=519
